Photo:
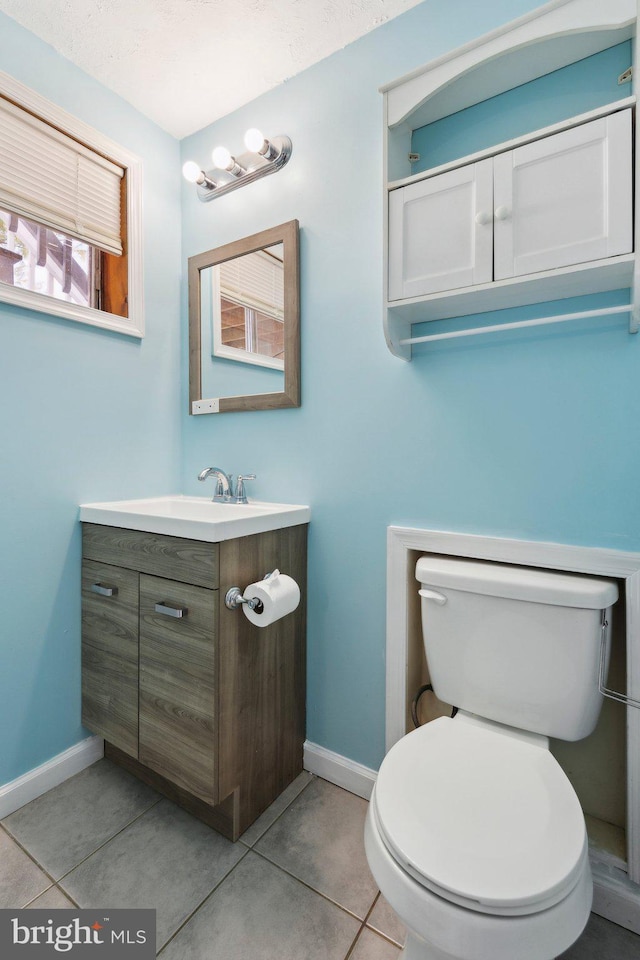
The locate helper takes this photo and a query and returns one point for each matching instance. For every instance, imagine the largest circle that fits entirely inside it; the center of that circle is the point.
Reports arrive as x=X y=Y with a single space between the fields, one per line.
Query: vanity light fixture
x=262 y=157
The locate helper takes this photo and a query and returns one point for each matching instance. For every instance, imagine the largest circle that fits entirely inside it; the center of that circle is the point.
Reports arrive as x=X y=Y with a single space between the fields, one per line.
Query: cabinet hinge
x=626 y=77
x=414 y=157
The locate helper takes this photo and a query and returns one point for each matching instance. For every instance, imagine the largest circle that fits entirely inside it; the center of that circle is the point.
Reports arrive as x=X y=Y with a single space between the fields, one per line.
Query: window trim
x=133 y=325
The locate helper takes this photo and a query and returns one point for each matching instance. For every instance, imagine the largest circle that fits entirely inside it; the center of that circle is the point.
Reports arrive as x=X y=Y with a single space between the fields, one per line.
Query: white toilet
x=474 y=834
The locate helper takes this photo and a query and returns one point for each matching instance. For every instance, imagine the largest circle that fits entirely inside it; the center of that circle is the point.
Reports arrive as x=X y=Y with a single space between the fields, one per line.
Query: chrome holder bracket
x=602 y=672
x=233 y=599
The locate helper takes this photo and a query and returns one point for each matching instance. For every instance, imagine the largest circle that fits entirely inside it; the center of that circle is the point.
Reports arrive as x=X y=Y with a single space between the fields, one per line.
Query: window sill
x=41 y=303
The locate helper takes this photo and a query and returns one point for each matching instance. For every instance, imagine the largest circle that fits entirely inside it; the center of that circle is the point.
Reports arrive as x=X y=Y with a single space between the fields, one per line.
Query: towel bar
x=538 y=322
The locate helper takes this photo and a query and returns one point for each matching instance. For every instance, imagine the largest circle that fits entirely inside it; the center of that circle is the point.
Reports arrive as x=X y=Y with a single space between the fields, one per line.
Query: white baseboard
x=337 y=769
x=33 y=784
x=615 y=897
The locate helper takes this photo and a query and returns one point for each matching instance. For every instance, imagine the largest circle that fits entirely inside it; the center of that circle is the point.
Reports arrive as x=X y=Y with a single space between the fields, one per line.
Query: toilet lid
x=480 y=815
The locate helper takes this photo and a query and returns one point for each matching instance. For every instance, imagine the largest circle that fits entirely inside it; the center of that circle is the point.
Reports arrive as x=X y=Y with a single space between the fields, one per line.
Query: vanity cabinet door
x=110 y=653
x=178 y=674
x=441 y=232
x=564 y=199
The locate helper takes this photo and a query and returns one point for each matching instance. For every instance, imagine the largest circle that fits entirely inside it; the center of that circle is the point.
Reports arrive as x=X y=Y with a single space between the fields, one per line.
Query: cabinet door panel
x=178 y=673
x=110 y=653
x=564 y=199
x=435 y=240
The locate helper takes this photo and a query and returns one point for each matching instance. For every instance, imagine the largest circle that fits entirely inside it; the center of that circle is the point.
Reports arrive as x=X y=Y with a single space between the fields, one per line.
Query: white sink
x=196 y=518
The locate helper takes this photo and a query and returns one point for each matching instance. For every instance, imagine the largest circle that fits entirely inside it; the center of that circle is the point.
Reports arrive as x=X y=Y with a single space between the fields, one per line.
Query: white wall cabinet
x=557 y=201
x=544 y=217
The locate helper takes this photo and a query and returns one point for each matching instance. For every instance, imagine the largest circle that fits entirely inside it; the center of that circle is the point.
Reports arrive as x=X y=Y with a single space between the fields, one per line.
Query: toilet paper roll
x=279 y=595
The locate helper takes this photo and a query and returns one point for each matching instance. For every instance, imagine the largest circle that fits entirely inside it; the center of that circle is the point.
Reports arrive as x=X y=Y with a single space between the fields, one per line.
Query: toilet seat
x=481 y=815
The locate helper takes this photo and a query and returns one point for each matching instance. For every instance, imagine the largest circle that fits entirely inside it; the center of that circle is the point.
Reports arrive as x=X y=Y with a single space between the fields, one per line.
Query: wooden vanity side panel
x=190 y=561
x=110 y=655
x=262 y=679
x=178 y=672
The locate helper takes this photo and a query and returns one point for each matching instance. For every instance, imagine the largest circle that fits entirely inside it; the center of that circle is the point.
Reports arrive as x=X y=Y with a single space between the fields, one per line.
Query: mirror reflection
x=244 y=323
x=247 y=295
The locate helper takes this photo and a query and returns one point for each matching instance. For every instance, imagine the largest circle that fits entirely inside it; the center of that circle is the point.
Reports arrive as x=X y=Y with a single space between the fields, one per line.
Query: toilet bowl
x=474 y=833
x=477 y=840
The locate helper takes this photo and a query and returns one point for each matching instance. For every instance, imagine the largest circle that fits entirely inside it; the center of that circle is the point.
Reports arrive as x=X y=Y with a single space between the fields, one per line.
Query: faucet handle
x=241 y=496
x=220 y=491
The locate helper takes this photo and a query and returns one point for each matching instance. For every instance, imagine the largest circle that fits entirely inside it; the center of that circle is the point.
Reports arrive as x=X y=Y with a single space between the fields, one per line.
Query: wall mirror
x=244 y=324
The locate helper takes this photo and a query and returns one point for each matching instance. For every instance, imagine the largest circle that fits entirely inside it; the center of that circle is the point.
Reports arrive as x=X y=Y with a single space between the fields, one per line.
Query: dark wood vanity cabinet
x=188 y=695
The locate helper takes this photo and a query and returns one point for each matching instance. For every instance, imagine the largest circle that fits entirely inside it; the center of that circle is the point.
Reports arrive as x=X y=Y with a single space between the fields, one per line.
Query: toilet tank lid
x=517 y=583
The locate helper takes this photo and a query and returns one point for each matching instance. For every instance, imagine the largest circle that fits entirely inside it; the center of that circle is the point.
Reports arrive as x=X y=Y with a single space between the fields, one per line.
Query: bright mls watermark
x=79 y=934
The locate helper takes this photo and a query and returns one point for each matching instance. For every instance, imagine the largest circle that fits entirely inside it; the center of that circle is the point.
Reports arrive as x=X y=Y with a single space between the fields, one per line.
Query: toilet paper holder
x=233 y=598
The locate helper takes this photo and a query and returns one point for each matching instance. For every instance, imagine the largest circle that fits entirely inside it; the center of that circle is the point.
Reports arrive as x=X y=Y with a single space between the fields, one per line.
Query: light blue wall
x=531 y=435
x=84 y=415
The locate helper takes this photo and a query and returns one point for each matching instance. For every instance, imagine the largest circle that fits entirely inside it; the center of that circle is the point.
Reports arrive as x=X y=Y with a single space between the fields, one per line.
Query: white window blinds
x=255 y=280
x=48 y=177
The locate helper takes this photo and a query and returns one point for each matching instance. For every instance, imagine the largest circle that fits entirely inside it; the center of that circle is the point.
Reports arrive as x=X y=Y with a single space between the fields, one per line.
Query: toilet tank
x=517 y=645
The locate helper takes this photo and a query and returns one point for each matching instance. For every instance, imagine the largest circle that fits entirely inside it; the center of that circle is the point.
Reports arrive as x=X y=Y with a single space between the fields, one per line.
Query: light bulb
x=222 y=158
x=254 y=140
x=191 y=171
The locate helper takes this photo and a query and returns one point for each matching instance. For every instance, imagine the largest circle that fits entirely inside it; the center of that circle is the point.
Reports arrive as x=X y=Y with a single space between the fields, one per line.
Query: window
x=33 y=257
x=70 y=216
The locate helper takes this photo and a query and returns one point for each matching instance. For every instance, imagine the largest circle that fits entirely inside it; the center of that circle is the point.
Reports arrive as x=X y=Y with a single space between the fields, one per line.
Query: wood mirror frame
x=288 y=235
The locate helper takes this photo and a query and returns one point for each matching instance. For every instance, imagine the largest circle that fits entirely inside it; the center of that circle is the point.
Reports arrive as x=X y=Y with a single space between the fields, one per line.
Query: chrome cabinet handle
x=103 y=590
x=170 y=611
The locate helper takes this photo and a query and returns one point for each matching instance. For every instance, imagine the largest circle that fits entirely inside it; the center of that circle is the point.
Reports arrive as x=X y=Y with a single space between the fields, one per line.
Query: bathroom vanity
x=190 y=696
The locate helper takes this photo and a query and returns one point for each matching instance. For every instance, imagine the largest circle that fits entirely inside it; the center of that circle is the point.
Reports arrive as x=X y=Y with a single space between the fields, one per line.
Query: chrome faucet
x=224 y=485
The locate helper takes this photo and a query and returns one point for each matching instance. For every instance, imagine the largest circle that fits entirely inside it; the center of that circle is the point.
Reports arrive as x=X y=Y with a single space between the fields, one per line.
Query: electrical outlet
x=206 y=406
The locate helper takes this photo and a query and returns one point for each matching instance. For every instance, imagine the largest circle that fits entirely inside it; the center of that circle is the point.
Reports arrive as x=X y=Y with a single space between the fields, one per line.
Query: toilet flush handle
x=433 y=595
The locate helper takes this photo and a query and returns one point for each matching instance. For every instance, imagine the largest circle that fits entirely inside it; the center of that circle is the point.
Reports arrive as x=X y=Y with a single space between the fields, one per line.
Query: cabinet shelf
x=600 y=276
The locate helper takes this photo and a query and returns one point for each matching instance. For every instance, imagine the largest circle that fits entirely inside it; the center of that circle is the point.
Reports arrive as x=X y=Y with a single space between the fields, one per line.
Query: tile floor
x=296 y=887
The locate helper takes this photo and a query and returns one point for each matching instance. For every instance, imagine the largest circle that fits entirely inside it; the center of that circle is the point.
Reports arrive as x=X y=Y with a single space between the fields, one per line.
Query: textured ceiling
x=185 y=63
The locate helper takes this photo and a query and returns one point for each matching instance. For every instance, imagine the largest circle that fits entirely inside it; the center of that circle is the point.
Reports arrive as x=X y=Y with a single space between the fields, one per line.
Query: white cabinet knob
x=483 y=218
x=502 y=213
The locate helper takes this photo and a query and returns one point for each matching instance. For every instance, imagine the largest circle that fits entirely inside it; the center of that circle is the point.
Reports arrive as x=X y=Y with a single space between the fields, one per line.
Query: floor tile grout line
x=304 y=883
x=31 y=857
x=203 y=901
x=349 y=952
x=363 y=926
x=108 y=840
x=60 y=890
x=250 y=846
x=371 y=908
x=385 y=936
